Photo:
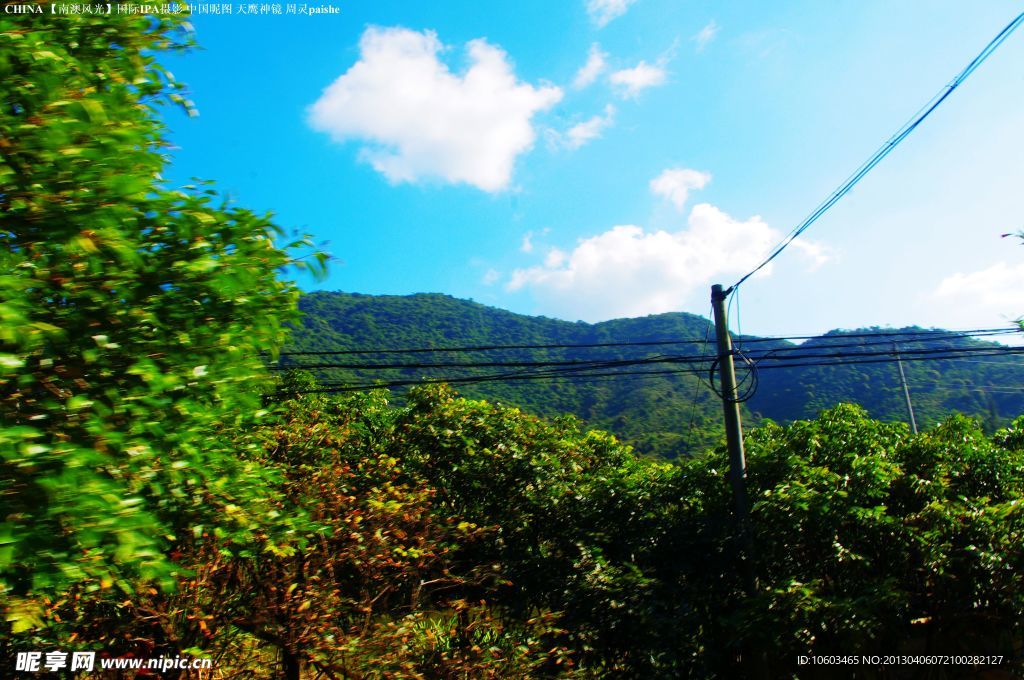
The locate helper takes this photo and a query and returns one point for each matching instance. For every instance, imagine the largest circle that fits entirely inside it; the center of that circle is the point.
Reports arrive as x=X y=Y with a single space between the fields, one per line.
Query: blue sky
x=467 y=148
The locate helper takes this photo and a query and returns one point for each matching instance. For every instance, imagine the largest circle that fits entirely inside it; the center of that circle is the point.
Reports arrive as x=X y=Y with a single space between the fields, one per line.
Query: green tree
x=583 y=527
x=132 y=317
x=365 y=580
x=866 y=540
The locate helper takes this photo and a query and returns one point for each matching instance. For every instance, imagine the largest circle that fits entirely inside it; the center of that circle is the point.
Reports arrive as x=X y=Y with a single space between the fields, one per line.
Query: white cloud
x=603 y=11
x=594 y=67
x=491 y=277
x=588 y=130
x=554 y=258
x=706 y=35
x=816 y=253
x=987 y=297
x=630 y=82
x=627 y=271
x=420 y=120
x=527 y=245
x=674 y=184
x=998 y=290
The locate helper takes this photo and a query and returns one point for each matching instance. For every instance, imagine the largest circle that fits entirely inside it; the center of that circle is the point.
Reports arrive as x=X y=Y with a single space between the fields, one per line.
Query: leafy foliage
x=157 y=501
x=665 y=415
x=133 y=316
x=355 y=572
x=455 y=538
x=579 y=519
x=867 y=539
x=652 y=413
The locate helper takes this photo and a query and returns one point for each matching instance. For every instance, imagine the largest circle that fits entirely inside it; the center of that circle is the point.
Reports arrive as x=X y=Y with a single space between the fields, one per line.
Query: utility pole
x=731 y=407
x=749 y=656
x=906 y=390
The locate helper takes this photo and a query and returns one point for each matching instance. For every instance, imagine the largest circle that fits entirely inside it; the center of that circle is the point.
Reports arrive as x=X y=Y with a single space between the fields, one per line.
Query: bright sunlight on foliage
x=161 y=496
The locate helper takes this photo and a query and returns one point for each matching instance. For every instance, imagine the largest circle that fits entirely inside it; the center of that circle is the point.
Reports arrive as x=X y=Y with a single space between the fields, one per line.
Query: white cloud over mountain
x=628 y=271
x=996 y=291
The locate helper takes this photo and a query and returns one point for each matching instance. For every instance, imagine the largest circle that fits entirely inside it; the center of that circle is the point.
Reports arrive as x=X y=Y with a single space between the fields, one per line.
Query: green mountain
x=670 y=411
x=988 y=387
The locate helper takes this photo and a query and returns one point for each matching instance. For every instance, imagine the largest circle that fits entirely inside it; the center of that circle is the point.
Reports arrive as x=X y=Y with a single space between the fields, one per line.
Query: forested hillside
x=645 y=410
x=165 y=498
x=666 y=412
x=988 y=387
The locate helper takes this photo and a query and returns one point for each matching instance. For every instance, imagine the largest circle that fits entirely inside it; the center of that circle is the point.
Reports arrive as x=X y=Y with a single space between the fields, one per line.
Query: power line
x=882 y=334
x=487 y=348
x=696 y=388
x=951 y=351
x=853 y=359
x=982 y=361
x=835 y=359
x=832 y=346
x=328 y=387
x=821 y=350
x=456 y=364
x=886 y=148
x=925 y=332
x=587 y=371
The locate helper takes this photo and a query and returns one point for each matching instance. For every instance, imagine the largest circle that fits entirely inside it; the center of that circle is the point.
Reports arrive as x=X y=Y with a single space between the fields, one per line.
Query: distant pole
x=906 y=390
x=731 y=407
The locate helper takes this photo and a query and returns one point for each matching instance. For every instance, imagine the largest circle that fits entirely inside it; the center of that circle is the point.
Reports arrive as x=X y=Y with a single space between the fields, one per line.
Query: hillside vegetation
x=667 y=415
x=455 y=538
x=163 y=495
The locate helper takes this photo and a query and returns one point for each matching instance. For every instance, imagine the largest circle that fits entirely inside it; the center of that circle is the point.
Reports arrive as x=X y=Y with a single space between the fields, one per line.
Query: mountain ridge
x=661 y=414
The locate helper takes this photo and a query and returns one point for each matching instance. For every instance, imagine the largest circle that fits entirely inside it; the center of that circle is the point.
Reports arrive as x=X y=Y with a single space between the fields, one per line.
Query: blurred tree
x=132 y=316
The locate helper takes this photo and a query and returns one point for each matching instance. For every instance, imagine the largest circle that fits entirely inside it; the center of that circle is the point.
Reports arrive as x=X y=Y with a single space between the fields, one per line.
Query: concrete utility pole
x=749 y=657
x=731 y=407
x=906 y=390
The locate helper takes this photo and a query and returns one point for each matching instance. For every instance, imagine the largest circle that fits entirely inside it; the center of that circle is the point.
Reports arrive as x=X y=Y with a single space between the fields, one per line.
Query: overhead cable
x=836 y=359
x=886 y=148
x=882 y=336
x=660 y=358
